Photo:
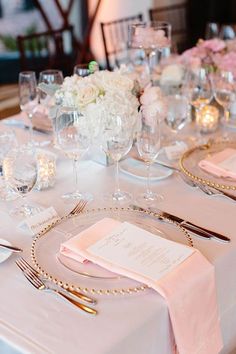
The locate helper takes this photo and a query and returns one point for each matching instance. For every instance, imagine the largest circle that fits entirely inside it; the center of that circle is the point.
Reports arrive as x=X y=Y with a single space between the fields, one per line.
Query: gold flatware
x=26 y=267
x=11 y=248
x=196 y=229
x=40 y=285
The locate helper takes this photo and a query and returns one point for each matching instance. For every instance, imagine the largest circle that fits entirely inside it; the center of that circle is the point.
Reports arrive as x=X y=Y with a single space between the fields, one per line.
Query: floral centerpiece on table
x=99 y=96
x=214 y=54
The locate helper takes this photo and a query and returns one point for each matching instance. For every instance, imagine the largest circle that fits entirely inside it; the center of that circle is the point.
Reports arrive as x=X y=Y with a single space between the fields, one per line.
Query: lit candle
x=46 y=170
x=207 y=119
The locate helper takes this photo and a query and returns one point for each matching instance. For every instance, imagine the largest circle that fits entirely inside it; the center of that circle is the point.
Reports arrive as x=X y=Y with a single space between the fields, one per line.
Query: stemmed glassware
x=74 y=140
x=152 y=37
x=225 y=93
x=20 y=173
x=84 y=70
x=116 y=142
x=28 y=96
x=199 y=89
x=177 y=112
x=7 y=142
x=148 y=145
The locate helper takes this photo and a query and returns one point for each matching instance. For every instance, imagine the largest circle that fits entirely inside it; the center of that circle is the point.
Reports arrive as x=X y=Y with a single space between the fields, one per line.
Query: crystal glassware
x=7 y=142
x=28 y=96
x=20 y=173
x=153 y=38
x=116 y=142
x=224 y=91
x=148 y=145
x=177 y=114
x=74 y=140
x=85 y=69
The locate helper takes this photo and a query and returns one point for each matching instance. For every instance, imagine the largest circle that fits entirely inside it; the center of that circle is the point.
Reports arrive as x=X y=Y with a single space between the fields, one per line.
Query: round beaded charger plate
x=189 y=164
x=88 y=277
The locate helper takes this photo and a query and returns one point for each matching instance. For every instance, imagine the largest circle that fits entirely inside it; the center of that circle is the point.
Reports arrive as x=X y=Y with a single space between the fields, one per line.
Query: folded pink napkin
x=221 y=164
x=189 y=291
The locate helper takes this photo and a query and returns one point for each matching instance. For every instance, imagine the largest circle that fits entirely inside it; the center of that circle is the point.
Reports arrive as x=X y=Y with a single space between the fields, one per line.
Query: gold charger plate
x=89 y=277
x=191 y=158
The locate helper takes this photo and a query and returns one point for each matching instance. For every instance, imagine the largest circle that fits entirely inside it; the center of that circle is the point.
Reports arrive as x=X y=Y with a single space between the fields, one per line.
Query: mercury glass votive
x=207 y=119
x=46 y=170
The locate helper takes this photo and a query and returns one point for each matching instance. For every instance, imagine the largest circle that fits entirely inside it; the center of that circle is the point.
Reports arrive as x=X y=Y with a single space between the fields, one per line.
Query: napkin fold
x=189 y=291
x=221 y=164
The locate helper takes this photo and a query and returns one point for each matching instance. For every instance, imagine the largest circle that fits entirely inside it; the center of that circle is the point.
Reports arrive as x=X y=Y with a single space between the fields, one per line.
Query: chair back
x=48 y=50
x=115 y=39
x=176 y=15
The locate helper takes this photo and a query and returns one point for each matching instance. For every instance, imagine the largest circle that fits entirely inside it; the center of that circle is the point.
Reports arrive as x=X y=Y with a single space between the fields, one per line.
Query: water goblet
x=116 y=142
x=148 y=146
x=28 y=96
x=20 y=173
x=74 y=140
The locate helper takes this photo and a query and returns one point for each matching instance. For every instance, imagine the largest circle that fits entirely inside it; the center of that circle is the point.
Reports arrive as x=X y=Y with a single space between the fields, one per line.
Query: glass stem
x=148 y=189
x=226 y=115
x=31 y=127
x=75 y=170
x=117 y=178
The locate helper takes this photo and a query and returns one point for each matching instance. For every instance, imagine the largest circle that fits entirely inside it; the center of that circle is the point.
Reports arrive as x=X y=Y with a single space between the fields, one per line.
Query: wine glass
x=74 y=140
x=177 y=112
x=116 y=142
x=212 y=30
x=28 y=96
x=225 y=93
x=84 y=70
x=20 y=173
x=152 y=37
x=148 y=145
x=226 y=32
x=198 y=89
x=7 y=142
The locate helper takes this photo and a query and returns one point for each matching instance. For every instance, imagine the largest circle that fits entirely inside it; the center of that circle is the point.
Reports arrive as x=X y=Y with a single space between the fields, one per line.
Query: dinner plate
x=189 y=164
x=4 y=253
x=138 y=169
x=90 y=277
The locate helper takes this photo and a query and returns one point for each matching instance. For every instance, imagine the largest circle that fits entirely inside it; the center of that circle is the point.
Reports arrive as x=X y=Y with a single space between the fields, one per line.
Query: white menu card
x=140 y=251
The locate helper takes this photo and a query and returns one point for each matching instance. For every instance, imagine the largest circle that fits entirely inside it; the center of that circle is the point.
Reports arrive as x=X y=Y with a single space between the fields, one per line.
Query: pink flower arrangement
x=153 y=104
x=214 y=54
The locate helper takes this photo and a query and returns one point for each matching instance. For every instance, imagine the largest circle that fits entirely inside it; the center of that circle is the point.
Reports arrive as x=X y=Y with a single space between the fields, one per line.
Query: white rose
x=86 y=94
x=113 y=81
x=172 y=74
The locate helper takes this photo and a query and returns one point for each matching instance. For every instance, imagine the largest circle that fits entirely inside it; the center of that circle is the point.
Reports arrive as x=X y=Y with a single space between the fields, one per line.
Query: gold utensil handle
x=83 y=307
x=82 y=296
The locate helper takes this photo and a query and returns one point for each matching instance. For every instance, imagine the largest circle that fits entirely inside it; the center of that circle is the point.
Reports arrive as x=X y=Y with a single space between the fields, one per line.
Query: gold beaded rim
x=86 y=290
x=202 y=180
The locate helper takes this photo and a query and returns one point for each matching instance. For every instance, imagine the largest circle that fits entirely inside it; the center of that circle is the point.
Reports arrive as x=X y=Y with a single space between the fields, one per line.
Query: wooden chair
x=176 y=15
x=115 y=39
x=48 y=50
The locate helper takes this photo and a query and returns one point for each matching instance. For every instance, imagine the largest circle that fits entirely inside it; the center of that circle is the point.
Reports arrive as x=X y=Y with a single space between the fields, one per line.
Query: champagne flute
x=148 y=145
x=117 y=140
x=28 y=96
x=224 y=90
x=74 y=140
x=20 y=173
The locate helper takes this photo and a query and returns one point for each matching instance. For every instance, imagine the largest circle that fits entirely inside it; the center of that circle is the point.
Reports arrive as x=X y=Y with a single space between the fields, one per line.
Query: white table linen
x=32 y=321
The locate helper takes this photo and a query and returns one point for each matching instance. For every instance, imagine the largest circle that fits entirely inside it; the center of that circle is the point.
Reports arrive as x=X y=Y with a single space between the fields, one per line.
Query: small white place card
x=40 y=221
x=140 y=251
x=173 y=152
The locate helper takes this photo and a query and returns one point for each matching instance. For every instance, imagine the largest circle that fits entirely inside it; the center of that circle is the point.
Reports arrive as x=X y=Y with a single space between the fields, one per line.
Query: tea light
x=46 y=170
x=207 y=119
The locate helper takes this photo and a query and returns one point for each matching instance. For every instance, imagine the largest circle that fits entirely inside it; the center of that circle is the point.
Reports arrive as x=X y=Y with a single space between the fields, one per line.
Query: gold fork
x=27 y=268
x=40 y=285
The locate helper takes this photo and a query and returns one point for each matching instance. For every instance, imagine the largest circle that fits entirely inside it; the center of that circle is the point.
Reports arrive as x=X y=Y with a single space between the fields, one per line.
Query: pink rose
x=216 y=45
x=150 y=95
